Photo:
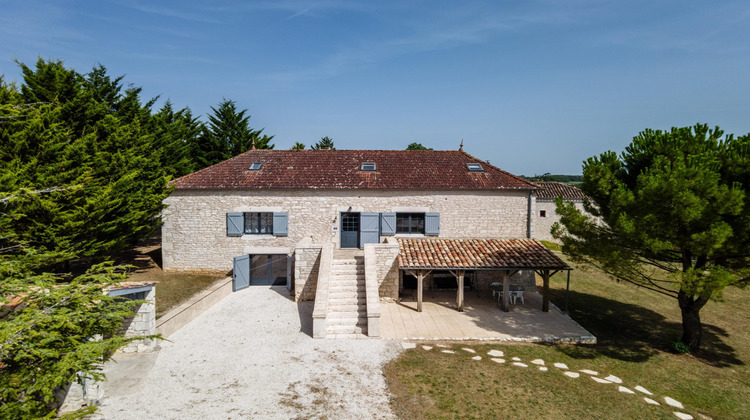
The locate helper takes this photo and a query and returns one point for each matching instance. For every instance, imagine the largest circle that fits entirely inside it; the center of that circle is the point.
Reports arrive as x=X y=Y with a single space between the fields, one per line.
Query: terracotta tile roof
x=340 y=169
x=476 y=253
x=552 y=190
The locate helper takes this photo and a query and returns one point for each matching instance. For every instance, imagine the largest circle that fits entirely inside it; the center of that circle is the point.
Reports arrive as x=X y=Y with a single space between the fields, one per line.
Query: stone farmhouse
x=351 y=228
x=546 y=216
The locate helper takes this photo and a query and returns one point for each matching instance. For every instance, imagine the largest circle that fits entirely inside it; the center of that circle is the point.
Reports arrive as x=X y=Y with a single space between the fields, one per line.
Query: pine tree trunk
x=692 y=330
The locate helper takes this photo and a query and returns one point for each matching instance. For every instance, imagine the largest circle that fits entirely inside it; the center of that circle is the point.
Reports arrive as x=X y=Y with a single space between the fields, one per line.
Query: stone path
x=496 y=356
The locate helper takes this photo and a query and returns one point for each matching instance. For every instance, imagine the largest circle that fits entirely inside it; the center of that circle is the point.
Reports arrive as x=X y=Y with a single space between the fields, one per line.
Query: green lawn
x=635 y=329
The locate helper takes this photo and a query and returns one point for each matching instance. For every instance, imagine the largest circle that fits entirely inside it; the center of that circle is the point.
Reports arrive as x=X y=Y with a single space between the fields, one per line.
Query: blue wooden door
x=241 y=273
x=369 y=229
x=349 y=230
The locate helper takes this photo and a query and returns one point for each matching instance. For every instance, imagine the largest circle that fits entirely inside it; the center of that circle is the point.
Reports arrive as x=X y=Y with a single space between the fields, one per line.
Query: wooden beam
x=545 y=288
x=420 y=278
x=506 y=291
x=460 y=294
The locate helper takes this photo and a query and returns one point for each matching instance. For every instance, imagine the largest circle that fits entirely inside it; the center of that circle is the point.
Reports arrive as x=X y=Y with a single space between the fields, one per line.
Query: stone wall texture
x=306 y=269
x=386 y=260
x=142 y=324
x=542 y=226
x=194 y=232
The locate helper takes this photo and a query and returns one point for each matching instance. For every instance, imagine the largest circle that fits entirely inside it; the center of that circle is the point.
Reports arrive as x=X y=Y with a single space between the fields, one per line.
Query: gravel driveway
x=252 y=356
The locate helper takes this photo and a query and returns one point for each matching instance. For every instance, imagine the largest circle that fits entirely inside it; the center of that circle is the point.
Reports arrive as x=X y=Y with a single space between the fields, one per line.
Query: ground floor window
x=410 y=223
x=268 y=269
x=258 y=223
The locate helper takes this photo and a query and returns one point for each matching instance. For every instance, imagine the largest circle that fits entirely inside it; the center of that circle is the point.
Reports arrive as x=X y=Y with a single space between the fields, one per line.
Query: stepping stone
x=683 y=416
x=469 y=350
x=496 y=353
x=650 y=401
x=407 y=346
x=538 y=362
x=519 y=364
x=543 y=368
x=449 y=351
x=442 y=346
x=589 y=372
x=496 y=360
x=476 y=358
x=674 y=403
x=561 y=365
x=572 y=374
x=600 y=380
x=613 y=378
x=517 y=359
x=644 y=390
x=428 y=348
x=625 y=390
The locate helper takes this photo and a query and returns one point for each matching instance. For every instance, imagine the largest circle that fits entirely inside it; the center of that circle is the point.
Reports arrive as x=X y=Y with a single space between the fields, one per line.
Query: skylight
x=368 y=166
x=255 y=166
x=474 y=167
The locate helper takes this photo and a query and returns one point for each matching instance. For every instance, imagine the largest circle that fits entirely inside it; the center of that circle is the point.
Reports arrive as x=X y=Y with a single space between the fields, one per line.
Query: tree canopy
x=417 y=146
x=668 y=215
x=227 y=134
x=298 y=146
x=325 y=143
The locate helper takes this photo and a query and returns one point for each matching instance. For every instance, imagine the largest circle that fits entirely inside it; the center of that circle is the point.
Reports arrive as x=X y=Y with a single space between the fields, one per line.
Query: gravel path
x=252 y=356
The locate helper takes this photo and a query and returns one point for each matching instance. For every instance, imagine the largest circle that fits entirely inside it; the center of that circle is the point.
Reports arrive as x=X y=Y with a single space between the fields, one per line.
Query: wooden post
x=420 y=282
x=545 y=288
x=506 y=291
x=460 y=294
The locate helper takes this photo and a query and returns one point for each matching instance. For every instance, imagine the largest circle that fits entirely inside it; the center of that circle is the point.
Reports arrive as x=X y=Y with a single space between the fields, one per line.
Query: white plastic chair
x=516 y=295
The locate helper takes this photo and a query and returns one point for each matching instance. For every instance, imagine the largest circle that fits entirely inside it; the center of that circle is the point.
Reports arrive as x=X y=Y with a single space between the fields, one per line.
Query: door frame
x=341 y=228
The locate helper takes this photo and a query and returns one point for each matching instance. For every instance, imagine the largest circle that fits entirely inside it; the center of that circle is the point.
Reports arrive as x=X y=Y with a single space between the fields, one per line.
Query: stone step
x=346 y=329
x=346 y=321
x=332 y=301
x=345 y=307
x=360 y=313
x=345 y=295
x=346 y=262
x=352 y=288
x=346 y=280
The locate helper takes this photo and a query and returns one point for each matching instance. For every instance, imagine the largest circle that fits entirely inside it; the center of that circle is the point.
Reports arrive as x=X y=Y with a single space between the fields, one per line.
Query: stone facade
x=386 y=268
x=542 y=226
x=194 y=234
x=306 y=269
x=142 y=324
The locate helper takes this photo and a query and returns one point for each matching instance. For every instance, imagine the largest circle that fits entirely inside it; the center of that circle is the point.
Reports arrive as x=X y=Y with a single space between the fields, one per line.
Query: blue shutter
x=281 y=224
x=235 y=224
x=432 y=223
x=369 y=228
x=241 y=273
x=387 y=223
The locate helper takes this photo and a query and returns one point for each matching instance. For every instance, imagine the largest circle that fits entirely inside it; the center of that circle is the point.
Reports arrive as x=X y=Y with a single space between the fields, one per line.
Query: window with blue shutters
x=432 y=223
x=410 y=222
x=257 y=223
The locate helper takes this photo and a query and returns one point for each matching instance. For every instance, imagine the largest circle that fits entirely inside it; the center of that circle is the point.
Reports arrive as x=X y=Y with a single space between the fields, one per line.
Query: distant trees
x=227 y=134
x=298 y=146
x=325 y=143
x=417 y=146
x=675 y=220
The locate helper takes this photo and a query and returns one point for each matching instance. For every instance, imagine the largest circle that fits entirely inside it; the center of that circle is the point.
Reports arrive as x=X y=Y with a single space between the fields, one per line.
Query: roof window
x=474 y=167
x=368 y=166
x=255 y=166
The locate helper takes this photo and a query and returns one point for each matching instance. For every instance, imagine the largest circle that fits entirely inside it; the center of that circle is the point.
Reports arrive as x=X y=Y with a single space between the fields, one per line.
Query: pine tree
x=673 y=218
x=325 y=143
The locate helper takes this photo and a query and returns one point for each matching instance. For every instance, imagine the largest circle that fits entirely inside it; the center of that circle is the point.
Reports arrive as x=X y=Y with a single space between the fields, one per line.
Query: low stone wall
x=386 y=265
x=196 y=305
x=372 y=291
x=306 y=268
x=142 y=324
x=320 y=309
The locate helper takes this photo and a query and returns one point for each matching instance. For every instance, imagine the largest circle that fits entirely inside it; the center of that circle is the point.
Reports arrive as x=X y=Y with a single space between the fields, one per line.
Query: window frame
x=263 y=217
x=412 y=229
x=542 y=213
x=474 y=167
x=253 y=166
x=363 y=169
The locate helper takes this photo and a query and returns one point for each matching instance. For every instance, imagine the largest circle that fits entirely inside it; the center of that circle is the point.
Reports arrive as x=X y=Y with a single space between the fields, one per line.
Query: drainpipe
x=530 y=220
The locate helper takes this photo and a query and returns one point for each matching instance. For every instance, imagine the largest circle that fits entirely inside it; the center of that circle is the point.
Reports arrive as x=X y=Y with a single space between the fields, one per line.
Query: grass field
x=635 y=330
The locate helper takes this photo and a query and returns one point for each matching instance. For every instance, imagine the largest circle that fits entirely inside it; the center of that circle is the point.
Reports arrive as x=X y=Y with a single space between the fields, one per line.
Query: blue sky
x=531 y=86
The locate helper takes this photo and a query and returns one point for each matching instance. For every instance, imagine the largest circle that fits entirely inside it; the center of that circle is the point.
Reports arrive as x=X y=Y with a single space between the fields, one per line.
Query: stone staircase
x=347 y=303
